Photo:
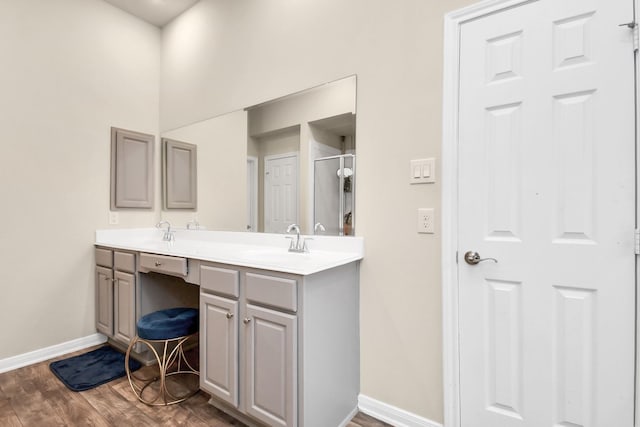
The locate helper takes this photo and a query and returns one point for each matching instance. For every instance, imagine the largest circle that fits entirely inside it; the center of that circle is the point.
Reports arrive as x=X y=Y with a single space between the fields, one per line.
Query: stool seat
x=168 y=324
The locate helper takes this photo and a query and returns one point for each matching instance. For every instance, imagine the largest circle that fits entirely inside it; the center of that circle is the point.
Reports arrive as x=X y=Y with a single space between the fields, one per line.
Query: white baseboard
x=15 y=362
x=390 y=414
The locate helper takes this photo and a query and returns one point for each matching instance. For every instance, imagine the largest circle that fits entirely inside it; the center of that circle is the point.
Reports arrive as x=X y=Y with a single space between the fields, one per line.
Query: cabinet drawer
x=220 y=280
x=104 y=257
x=273 y=291
x=123 y=261
x=172 y=265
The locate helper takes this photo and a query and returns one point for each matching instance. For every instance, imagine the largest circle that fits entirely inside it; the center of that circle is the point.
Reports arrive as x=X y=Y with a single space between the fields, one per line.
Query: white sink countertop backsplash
x=256 y=250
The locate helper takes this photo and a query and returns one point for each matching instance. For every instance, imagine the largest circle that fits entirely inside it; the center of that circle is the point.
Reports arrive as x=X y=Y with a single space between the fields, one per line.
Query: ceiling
x=156 y=12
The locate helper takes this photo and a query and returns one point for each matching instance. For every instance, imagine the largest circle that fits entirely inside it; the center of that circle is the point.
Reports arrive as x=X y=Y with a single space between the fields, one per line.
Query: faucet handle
x=291 y=246
x=305 y=248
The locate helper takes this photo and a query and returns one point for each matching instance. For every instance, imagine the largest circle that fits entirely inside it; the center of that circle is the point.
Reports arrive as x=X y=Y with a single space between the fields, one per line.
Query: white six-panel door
x=280 y=192
x=546 y=187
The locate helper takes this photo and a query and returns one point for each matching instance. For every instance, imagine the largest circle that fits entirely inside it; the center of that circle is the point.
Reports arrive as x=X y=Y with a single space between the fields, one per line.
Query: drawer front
x=104 y=257
x=123 y=261
x=220 y=280
x=176 y=266
x=273 y=291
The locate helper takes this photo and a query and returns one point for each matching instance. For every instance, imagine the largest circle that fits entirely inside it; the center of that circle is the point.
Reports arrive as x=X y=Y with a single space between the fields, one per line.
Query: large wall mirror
x=288 y=160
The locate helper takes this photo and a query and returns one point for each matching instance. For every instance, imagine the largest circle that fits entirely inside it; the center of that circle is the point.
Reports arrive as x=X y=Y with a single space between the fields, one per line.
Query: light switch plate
x=426 y=220
x=422 y=171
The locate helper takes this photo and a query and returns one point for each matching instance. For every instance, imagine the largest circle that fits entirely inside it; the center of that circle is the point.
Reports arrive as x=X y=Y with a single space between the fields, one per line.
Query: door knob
x=473 y=258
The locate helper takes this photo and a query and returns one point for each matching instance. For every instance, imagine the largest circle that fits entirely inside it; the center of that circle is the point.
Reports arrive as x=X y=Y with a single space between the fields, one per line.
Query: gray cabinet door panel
x=104 y=300
x=124 y=306
x=179 y=174
x=219 y=347
x=271 y=366
x=131 y=169
x=278 y=292
x=123 y=261
x=104 y=257
x=222 y=281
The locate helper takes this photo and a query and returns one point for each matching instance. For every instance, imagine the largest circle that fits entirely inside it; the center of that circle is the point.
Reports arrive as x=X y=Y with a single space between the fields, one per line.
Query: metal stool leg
x=177 y=356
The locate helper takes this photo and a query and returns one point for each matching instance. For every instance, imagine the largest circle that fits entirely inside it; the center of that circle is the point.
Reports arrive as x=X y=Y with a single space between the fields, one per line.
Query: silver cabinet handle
x=247 y=320
x=229 y=315
x=473 y=258
x=158 y=264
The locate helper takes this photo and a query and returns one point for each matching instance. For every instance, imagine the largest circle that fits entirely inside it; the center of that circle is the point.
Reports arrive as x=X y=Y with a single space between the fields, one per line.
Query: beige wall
x=70 y=70
x=225 y=55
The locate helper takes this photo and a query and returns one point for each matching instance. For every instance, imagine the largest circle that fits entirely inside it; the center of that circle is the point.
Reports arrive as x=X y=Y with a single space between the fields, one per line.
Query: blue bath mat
x=92 y=369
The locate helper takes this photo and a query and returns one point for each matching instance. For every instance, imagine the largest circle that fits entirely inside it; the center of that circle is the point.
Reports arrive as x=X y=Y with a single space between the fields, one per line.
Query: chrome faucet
x=196 y=225
x=317 y=227
x=300 y=245
x=168 y=234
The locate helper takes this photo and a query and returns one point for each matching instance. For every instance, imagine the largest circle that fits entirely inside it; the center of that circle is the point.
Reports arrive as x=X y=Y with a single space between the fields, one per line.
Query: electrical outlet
x=426 y=220
x=113 y=218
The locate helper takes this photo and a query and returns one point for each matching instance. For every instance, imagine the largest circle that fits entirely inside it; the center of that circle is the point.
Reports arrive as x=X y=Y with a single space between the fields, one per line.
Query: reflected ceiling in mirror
x=256 y=166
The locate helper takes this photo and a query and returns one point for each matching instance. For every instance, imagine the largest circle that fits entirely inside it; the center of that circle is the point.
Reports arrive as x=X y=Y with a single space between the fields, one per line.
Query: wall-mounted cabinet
x=179 y=175
x=131 y=170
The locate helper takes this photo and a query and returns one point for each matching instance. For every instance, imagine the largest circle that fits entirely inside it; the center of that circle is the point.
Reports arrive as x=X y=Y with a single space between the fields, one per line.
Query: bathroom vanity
x=279 y=333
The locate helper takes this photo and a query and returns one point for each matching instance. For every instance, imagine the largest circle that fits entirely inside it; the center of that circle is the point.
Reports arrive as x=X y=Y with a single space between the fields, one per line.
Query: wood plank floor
x=33 y=397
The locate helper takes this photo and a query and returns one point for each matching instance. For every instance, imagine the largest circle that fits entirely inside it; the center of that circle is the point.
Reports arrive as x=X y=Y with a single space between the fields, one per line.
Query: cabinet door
x=219 y=347
x=124 y=307
x=132 y=170
x=271 y=366
x=179 y=175
x=104 y=300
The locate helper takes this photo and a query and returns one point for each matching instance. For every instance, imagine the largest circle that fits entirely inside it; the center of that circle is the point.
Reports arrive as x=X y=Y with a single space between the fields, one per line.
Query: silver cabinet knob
x=473 y=258
x=158 y=264
x=247 y=320
x=229 y=315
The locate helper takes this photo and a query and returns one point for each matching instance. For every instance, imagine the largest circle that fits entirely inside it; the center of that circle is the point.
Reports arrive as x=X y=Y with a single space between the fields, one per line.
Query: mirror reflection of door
x=280 y=192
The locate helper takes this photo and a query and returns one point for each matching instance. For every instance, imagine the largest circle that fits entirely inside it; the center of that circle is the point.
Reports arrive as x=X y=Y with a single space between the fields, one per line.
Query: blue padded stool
x=168 y=329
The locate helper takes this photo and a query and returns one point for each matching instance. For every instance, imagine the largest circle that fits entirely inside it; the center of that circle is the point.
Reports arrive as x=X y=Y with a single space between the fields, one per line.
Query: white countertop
x=257 y=250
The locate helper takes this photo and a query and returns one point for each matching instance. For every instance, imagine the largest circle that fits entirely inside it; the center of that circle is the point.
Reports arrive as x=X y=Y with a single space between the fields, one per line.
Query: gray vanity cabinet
x=116 y=294
x=124 y=296
x=271 y=366
x=219 y=347
x=104 y=300
x=219 y=313
x=248 y=343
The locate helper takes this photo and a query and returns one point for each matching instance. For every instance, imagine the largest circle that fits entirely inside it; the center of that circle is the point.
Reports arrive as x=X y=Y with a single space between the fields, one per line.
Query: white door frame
x=252 y=192
x=450 y=310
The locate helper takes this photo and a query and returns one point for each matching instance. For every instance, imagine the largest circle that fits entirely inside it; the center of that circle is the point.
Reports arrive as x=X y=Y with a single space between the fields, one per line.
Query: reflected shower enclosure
x=334 y=194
